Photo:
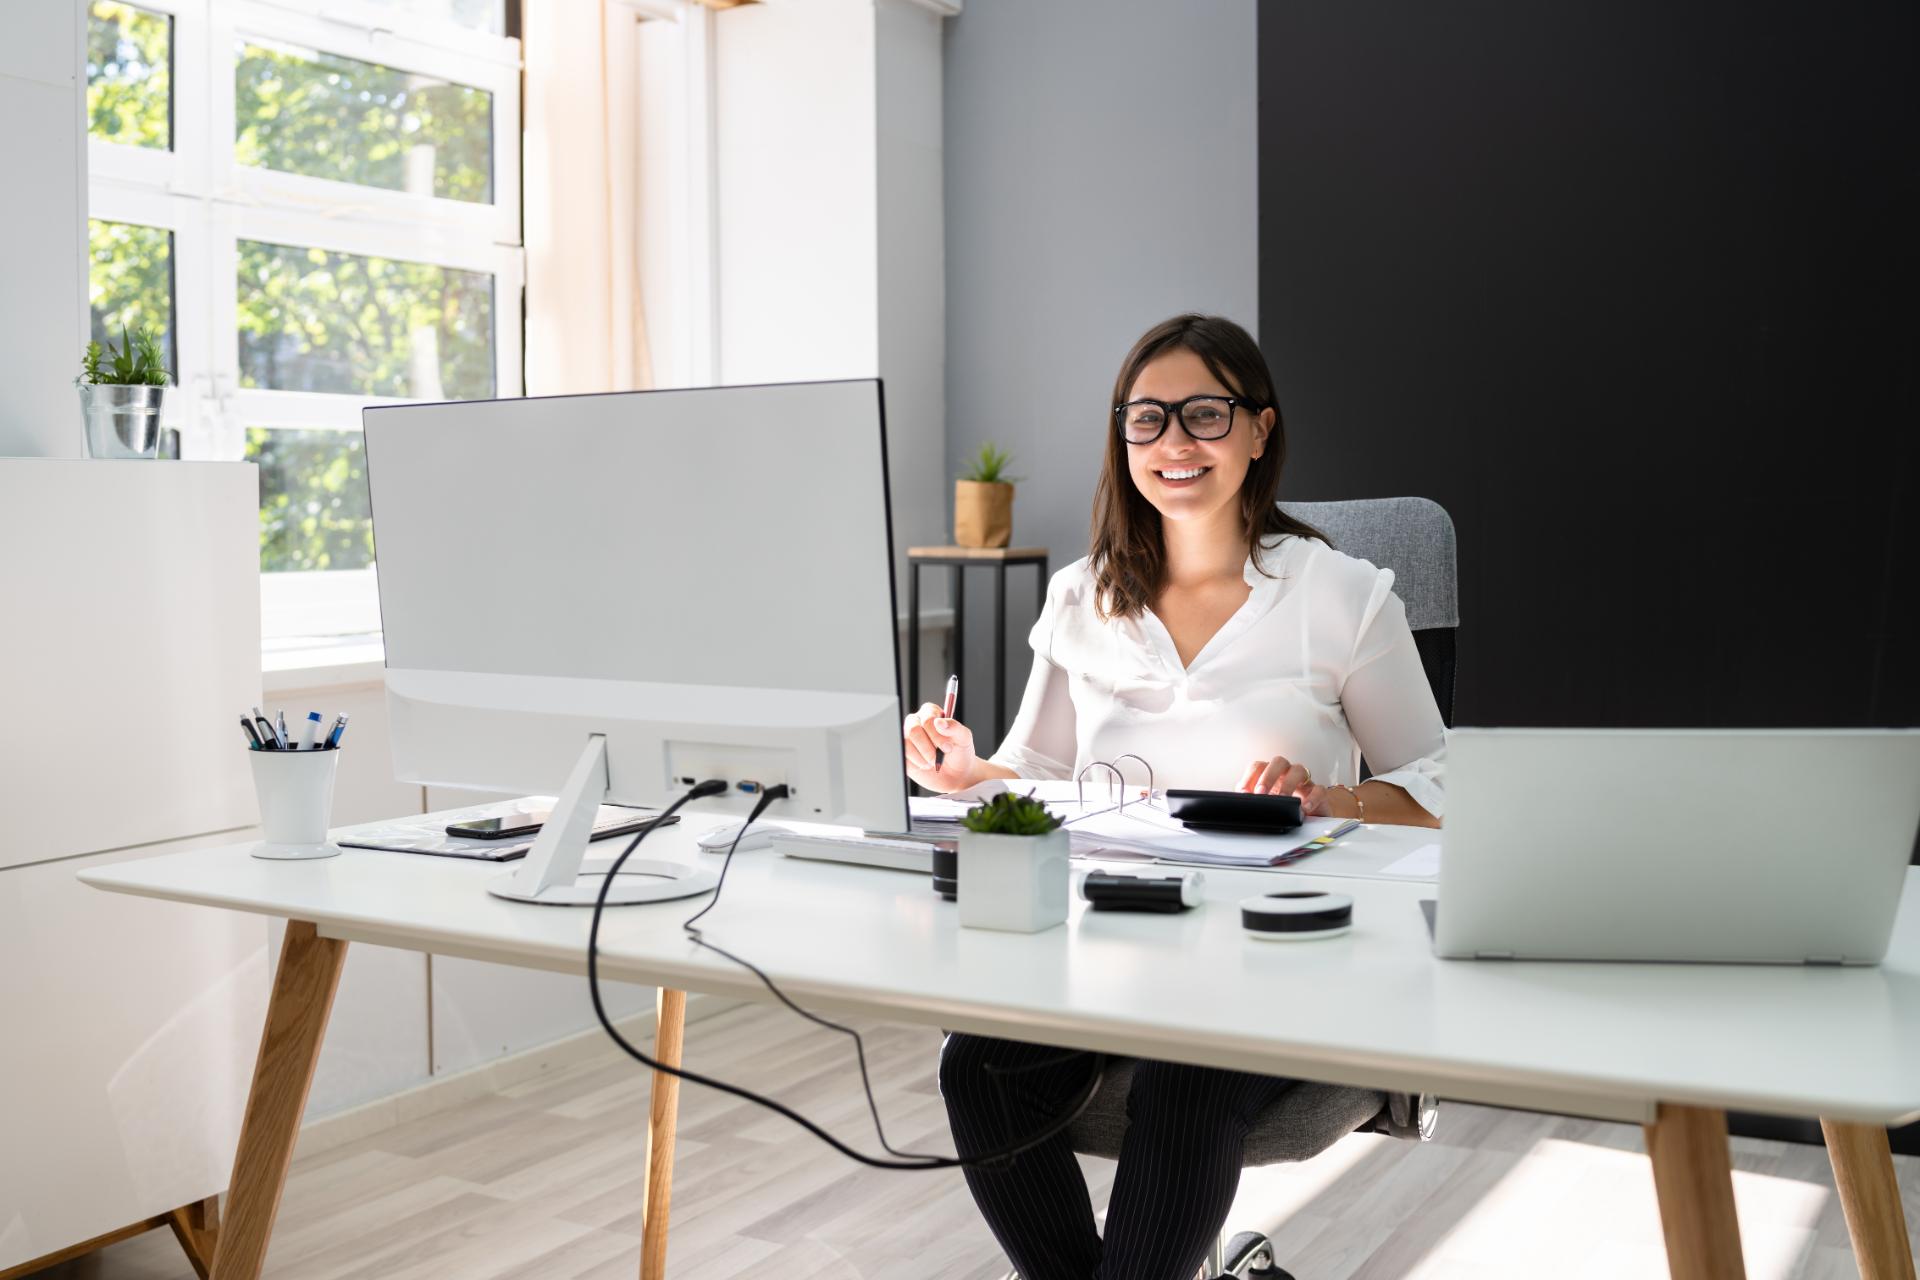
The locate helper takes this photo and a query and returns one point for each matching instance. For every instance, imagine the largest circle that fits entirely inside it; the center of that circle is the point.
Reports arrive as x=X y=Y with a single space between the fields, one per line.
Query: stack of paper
x=1143 y=828
x=933 y=813
x=1150 y=830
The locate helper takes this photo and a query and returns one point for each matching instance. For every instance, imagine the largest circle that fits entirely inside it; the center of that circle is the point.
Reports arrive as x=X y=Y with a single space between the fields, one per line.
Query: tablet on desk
x=1244 y=812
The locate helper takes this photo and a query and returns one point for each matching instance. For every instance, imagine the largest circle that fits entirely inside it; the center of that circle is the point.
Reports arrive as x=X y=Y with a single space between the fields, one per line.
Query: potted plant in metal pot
x=120 y=392
x=1013 y=866
x=983 y=500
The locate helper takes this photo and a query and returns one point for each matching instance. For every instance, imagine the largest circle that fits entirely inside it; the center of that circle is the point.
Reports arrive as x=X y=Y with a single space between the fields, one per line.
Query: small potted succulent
x=120 y=391
x=1013 y=866
x=983 y=500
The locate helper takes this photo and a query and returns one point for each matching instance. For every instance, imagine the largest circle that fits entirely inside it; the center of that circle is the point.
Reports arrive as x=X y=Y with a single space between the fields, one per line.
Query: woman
x=1228 y=645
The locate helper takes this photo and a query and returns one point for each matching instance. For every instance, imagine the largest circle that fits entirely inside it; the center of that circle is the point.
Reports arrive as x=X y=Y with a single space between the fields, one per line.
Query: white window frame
x=210 y=203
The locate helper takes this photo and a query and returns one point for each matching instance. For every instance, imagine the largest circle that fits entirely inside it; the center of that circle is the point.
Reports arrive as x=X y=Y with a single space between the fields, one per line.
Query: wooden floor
x=544 y=1180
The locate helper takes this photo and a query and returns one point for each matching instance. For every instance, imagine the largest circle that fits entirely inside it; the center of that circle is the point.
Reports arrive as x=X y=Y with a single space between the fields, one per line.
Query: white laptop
x=1762 y=846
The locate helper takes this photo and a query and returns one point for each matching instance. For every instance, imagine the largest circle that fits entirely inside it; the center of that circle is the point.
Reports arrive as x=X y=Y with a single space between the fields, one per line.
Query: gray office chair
x=1414 y=538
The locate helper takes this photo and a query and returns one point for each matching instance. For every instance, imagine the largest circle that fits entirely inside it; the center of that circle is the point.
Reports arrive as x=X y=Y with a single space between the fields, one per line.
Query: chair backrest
x=1414 y=538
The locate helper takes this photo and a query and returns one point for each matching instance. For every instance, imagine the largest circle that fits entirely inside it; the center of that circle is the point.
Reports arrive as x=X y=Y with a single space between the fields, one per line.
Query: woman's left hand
x=1283 y=777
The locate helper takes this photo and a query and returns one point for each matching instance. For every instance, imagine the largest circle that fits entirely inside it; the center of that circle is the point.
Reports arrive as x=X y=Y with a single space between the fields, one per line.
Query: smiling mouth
x=1183 y=473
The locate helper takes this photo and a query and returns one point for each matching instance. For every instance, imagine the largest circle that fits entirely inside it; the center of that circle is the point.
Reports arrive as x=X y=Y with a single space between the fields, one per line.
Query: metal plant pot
x=122 y=422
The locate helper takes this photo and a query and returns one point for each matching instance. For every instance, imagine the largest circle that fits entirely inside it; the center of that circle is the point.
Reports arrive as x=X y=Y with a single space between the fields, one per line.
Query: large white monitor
x=610 y=597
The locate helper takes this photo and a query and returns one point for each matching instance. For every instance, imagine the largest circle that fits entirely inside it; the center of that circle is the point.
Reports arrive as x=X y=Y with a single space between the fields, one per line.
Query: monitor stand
x=551 y=872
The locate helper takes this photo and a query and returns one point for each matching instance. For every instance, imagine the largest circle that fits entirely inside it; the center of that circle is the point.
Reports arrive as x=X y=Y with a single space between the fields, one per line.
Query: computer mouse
x=720 y=839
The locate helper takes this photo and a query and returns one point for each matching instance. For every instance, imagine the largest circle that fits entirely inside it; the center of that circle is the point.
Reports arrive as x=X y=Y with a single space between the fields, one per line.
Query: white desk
x=1668 y=1046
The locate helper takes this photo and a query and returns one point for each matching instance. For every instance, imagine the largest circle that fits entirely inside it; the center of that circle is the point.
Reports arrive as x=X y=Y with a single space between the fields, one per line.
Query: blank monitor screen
x=691 y=543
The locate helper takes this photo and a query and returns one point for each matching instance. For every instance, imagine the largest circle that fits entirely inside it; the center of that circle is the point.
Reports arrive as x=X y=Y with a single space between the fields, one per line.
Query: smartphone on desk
x=612 y=820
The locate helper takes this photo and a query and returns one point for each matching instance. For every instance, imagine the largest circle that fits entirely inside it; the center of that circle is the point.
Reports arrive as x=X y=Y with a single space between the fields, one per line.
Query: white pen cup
x=295 y=791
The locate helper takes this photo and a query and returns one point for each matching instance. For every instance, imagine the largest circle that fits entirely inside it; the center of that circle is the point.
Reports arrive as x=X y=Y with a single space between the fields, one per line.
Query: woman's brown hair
x=1129 y=558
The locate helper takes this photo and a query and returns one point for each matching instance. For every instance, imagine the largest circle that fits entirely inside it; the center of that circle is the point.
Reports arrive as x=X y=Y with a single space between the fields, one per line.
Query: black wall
x=1630 y=288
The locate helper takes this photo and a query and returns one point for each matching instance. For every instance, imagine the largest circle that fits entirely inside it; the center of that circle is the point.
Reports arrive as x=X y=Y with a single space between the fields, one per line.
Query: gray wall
x=1100 y=176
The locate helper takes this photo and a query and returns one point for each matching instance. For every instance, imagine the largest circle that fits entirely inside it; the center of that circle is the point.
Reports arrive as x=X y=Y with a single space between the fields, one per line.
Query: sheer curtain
x=586 y=330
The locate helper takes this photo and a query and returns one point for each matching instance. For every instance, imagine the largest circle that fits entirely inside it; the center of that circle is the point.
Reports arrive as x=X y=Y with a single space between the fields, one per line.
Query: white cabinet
x=130 y=646
x=130 y=1028
x=130 y=600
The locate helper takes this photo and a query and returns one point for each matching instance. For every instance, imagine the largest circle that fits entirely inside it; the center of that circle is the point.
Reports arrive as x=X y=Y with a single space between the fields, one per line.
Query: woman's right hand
x=928 y=730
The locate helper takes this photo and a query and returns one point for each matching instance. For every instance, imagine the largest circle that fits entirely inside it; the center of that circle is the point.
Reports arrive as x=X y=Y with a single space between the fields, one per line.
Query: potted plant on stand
x=120 y=392
x=1013 y=866
x=983 y=501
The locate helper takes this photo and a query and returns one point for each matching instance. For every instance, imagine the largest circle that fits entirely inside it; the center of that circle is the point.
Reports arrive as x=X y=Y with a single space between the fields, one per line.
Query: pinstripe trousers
x=1179 y=1163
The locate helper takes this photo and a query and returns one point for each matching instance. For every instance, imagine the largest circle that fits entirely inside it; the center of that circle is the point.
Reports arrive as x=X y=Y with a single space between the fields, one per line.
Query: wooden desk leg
x=1693 y=1178
x=670 y=1031
x=1863 y=1171
x=197 y=1227
x=297 y=1012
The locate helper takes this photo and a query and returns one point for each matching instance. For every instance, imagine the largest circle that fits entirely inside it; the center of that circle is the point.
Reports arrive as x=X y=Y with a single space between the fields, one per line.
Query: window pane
x=129 y=75
x=130 y=283
x=326 y=116
x=311 y=320
x=314 y=509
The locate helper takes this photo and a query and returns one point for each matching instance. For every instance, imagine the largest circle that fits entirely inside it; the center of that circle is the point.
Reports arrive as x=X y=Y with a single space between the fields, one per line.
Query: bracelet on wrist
x=1359 y=804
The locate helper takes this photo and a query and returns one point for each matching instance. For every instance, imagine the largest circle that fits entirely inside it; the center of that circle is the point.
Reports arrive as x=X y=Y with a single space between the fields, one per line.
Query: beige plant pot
x=982 y=514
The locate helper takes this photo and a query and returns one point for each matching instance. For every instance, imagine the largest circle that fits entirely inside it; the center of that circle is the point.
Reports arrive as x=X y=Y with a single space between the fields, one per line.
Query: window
x=318 y=205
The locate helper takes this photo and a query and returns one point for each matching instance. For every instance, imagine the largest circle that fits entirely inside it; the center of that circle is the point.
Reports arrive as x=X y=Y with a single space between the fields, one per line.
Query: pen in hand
x=953 y=699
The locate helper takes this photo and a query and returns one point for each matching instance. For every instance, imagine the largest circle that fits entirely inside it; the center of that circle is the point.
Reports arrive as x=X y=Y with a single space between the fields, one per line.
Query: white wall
x=794 y=90
x=912 y=302
x=1075 y=132
x=43 y=229
x=829 y=220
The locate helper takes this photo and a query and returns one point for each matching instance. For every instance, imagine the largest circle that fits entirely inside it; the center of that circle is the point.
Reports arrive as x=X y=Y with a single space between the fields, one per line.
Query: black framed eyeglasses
x=1202 y=417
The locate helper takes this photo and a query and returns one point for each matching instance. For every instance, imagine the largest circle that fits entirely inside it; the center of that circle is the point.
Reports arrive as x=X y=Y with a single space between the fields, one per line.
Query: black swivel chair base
x=1248 y=1256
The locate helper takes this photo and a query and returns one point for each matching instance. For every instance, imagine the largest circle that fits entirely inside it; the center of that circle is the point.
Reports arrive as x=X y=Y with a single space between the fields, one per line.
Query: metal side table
x=960 y=559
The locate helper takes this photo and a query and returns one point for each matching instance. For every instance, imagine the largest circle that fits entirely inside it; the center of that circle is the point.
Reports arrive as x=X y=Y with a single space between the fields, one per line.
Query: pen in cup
x=268 y=742
x=310 y=732
x=953 y=699
x=337 y=732
x=280 y=729
x=253 y=735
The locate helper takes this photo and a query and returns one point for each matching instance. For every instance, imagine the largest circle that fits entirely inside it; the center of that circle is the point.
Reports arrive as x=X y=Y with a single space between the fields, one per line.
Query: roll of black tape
x=946 y=873
x=1297 y=916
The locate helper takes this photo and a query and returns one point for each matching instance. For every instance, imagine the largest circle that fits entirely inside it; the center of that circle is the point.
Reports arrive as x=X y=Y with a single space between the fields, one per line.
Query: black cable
x=910 y=1160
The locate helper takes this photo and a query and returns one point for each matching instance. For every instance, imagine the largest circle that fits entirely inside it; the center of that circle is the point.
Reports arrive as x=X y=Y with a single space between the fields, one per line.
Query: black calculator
x=1244 y=812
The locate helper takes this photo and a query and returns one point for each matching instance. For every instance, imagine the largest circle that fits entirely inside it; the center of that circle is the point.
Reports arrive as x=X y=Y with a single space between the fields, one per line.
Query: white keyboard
x=893 y=853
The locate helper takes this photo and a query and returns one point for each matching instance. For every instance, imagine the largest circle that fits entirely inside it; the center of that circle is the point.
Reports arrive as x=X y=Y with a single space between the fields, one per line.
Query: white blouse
x=1318 y=666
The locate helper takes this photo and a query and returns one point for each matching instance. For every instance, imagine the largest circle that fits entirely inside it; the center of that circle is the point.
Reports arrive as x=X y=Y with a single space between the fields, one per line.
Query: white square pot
x=1015 y=883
